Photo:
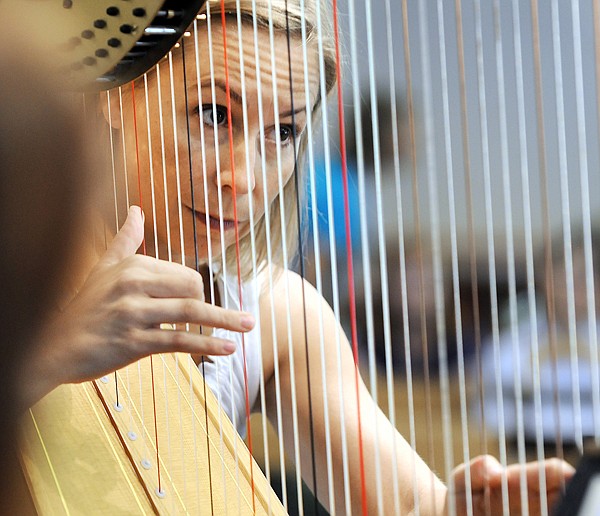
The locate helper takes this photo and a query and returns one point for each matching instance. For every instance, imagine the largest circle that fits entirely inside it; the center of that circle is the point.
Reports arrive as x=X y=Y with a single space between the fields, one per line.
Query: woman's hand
x=115 y=318
x=486 y=485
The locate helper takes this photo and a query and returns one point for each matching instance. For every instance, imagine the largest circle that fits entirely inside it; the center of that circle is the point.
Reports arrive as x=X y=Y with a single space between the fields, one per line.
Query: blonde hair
x=283 y=16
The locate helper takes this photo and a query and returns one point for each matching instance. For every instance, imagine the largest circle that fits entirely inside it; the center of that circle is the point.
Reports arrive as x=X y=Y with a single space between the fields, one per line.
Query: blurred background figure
x=562 y=353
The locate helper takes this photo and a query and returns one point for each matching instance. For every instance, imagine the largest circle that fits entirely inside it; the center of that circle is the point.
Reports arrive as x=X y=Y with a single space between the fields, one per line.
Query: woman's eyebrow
x=296 y=111
x=236 y=97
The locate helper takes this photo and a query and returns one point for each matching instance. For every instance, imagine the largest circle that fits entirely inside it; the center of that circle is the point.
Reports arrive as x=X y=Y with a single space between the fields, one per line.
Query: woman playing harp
x=229 y=131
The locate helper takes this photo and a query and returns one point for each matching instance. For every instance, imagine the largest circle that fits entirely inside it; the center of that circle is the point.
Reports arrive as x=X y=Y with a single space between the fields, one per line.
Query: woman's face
x=181 y=157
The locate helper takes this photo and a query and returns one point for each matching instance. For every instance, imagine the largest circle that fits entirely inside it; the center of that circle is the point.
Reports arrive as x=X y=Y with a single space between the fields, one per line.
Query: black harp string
x=114 y=179
x=86 y=99
x=301 y=256
x=196 y=257
x=139 y=185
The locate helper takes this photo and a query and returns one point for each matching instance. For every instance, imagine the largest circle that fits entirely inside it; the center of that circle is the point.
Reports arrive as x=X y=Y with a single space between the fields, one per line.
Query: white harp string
x=207 y=210
x=333 y=260
x=317 y=262
x=591 y=300
x=269 y=260
x=491 y=248
x=284 y=249
x=364 y=233
x=389 y=370
x=566 y=222
x=510 y=251
x=431 y=167
x=250 y=171
x=451 y=209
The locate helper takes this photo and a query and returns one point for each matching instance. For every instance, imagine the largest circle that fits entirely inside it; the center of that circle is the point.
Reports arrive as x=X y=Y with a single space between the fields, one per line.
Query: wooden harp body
x=83 y=452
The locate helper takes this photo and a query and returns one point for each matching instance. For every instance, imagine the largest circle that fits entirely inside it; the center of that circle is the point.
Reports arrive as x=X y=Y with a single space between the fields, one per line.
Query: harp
x=464 y=236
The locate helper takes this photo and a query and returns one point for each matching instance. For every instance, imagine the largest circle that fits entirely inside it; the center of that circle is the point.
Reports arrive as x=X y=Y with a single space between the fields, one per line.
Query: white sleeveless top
x=225 y=375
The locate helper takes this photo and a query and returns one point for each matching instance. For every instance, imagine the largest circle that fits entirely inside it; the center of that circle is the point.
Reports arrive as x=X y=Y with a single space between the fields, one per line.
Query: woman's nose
x=240 y=170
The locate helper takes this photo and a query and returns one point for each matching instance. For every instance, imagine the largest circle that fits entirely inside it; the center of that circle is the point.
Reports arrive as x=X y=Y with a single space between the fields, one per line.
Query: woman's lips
x=215 y=224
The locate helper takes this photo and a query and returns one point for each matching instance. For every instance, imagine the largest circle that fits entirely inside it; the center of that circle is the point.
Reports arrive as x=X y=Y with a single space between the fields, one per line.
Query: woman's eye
x=214 y=116
x=285 y=133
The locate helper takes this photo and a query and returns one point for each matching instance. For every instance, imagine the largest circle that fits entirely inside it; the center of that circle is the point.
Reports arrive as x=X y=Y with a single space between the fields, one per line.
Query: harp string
x=318 y=273
x=350 y=271
x=224 y=261
x=112 y=146
x=237 y=246
x=208 y=242
x=528 y=231
x=594 y=357
x=250 y=179
x=211 y=273
x=364 y=236
x=510 y=251
x=112 y=162
x=587 y=230
x=469 y=206
x=285 y=263
x=250 y=171
x=389 y=370
x=403 y=282
x=159 y=103
x=547 y=250
x=115 y=201
x=220 y=210
x=184 y=459
x=301 y=253
x=450 y=191
x=269 y=261
x=568 y=240
x=132 y=433
x=431 y=166
x=333 y=265
x=156 y=250
x=418 y=244
x=491 y=249
x=139 y=180
x=566 y=226
x=453 y=231
x=212 y=300
x=237 y=235
x=197 y=268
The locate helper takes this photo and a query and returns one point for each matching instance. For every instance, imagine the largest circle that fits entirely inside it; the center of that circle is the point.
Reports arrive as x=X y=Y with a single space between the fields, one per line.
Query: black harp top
x=102 y=44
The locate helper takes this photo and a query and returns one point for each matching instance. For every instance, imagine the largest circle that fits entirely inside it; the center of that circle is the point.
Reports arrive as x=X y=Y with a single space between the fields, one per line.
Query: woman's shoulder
x=285 y=287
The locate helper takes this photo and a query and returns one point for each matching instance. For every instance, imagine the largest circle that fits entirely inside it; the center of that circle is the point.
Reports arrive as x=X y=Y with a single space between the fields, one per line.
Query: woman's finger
x=152 y=312
x=157 y=278
x=485 y=471
x=556 y=472
x=167 y=341
x=127 y=240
